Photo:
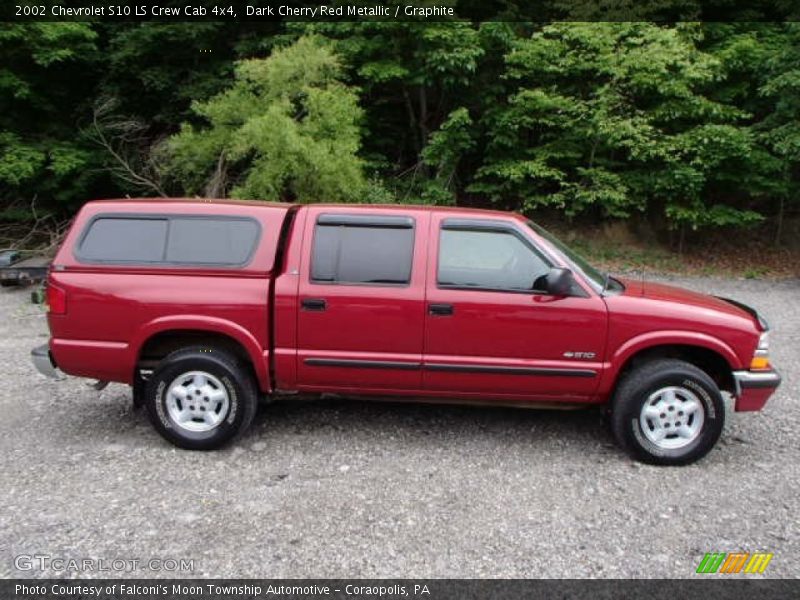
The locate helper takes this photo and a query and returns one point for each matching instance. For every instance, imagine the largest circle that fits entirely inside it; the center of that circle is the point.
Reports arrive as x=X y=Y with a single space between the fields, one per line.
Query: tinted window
x=362 y=254
x=211 y=241
x=170 y=240
x=125 y=240
x=488 y=259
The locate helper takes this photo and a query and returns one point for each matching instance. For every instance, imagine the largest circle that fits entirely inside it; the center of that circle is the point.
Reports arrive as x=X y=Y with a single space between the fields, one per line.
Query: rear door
x=361 y=299
x=489 y=332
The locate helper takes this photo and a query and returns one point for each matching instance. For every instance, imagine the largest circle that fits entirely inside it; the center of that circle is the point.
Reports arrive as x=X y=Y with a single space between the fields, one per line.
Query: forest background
x=647 y=145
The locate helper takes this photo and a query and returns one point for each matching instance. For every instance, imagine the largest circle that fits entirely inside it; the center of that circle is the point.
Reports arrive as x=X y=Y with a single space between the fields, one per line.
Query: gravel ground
x=354 y=489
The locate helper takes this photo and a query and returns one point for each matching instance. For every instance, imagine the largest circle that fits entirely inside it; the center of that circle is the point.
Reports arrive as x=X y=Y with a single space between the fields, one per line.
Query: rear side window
x=169 y=240
x=362 y=250
x=211 y=241
x=124 y=240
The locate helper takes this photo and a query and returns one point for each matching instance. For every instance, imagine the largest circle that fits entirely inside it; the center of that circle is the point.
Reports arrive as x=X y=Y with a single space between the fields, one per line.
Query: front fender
x=653 y=339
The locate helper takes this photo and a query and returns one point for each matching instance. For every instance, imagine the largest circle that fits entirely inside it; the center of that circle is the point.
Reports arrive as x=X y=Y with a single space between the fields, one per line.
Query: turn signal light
x=56 y=300
x=759 y=362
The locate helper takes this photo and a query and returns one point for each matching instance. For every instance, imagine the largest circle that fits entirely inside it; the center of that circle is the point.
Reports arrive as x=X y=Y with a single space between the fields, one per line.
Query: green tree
x=159 y=87
x=748 y=54
x=780 y=129
x=448 y=144
x=42 y=92
x=610 y=119
x=288 y=129
x=415 y=75
x=695 y=124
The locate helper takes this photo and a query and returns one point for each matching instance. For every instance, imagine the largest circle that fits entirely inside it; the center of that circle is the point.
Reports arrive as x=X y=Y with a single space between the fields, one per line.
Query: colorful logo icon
x=734 y=562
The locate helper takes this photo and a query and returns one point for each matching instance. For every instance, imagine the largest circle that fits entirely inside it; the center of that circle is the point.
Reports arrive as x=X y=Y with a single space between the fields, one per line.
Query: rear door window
x=356 y=251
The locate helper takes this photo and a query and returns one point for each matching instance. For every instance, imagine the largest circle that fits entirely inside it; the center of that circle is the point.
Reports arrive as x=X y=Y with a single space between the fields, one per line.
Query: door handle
x=440 y=310
x=318 y=304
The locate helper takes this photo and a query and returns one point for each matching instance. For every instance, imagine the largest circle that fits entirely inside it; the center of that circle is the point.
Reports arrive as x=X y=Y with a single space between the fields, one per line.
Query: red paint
x=753 y=399
x=516 y=330
x=496 y=346
x=125 y=305
x=56 y=300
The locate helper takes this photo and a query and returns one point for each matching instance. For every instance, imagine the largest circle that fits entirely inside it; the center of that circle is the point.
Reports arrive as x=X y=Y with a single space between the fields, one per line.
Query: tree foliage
x=39 y=151
x=287 y=129
x=780 y=128
x=686 y=125
x=610 y=118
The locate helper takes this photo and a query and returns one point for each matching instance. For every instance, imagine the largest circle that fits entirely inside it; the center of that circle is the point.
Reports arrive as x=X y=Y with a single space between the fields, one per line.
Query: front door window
x=490 y=260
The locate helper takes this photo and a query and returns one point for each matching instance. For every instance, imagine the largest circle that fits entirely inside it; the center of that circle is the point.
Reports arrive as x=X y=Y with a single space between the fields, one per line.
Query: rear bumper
x=753 y=388
x=44 y=363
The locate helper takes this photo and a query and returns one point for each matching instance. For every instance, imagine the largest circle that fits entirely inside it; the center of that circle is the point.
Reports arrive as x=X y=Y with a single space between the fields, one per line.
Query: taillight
x=56 y=300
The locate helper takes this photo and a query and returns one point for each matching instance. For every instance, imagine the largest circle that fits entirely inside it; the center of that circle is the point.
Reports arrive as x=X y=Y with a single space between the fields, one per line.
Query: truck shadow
x=375 y=424
x=382 y=419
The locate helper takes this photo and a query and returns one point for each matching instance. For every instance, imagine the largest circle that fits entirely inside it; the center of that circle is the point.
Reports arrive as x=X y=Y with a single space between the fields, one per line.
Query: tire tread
x=242 y=374
x=627 y=392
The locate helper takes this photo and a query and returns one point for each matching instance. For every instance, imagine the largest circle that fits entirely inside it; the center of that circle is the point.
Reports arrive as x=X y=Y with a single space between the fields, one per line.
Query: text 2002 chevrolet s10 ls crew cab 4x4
x=203 y=306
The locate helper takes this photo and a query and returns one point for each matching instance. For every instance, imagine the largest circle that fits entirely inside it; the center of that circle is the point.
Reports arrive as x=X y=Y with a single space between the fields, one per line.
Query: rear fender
x=258 y=355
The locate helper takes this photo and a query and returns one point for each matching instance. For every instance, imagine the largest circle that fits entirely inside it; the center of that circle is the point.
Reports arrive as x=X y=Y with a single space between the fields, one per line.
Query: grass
x=612 y=257
x=739 y=256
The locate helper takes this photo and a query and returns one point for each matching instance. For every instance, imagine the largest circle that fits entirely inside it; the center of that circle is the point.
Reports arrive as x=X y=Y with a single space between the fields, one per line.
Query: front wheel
x=667 y=412
x=199 y=398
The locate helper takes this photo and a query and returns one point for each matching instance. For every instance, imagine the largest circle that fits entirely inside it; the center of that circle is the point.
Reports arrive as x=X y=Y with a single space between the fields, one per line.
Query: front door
x=490 y=333
x=361 y=310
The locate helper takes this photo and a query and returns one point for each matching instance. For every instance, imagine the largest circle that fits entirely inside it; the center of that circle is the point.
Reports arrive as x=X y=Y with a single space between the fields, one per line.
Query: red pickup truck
x=205 y=307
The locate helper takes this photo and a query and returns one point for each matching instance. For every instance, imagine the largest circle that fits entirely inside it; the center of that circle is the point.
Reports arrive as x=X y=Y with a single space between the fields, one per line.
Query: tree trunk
x=423 y=115
x=218 y=183
x=779 y=226
x=412 y=121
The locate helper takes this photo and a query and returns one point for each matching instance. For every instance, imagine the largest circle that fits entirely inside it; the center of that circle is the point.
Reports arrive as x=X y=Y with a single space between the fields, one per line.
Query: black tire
x=636 y=389
x=226 y=374
x=138 y=391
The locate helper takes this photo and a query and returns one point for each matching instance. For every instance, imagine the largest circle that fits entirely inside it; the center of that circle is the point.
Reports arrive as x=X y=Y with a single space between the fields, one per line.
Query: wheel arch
x=712 y=356
x=166 y=335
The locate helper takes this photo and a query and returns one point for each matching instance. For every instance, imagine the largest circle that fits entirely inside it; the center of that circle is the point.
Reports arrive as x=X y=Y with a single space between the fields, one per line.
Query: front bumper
x=44 y=363
x=753 y=388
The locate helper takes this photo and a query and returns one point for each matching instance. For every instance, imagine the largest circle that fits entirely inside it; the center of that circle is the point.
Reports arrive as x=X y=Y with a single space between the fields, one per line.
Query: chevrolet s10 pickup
x=207 y=307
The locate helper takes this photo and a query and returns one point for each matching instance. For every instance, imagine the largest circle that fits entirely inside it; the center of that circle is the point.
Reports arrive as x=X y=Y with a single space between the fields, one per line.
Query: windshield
x=595 y=277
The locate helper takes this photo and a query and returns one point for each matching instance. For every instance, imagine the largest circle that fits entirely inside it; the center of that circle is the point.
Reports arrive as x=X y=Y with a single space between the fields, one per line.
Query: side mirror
x=559 y=282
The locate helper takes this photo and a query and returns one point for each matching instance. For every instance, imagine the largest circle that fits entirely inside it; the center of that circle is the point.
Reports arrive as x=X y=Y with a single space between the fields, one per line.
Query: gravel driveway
x=353 y=489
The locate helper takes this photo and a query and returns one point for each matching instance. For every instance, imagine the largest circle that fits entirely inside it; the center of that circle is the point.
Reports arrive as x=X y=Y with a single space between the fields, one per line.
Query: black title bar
x=399 y=10
x=709 y=587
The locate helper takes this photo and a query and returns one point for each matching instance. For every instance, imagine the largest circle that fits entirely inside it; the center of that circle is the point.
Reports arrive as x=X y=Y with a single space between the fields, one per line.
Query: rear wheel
x=138 y=391
x=667 y=412
x=199 y=398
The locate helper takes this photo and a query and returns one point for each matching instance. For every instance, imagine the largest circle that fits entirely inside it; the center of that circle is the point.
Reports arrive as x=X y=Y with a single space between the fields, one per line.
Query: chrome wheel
x=197 y=401
x=672 y=417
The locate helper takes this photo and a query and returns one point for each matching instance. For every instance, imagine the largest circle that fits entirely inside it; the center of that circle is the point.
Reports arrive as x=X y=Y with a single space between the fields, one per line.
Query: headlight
x=761 y=357
x=763 y=342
